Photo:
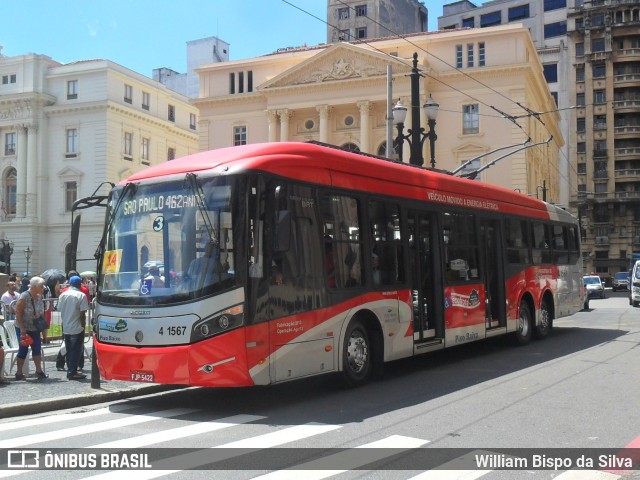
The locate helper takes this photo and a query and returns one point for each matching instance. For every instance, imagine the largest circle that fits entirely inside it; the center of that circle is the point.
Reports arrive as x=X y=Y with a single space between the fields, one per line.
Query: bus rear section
x=271 y=269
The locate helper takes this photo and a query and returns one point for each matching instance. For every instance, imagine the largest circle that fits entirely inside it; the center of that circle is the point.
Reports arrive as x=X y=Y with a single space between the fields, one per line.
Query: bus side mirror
x=75 y=234
x=282 y=238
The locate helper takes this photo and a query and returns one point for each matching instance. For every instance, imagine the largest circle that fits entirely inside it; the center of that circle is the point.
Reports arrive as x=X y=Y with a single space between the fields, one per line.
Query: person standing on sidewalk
x=8 y=299
x=73 y=305
x=62 y=353
x=29 y=307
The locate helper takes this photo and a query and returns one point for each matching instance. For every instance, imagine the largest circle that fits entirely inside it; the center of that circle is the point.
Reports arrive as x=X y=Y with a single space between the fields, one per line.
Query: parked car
x=620 y=281
x=634 y=285
x=594 y=286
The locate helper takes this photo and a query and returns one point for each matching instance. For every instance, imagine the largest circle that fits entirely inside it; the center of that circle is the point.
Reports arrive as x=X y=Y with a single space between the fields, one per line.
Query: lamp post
x=27 y=253
x=542 y=187
x=6 y=247
x=416 y=135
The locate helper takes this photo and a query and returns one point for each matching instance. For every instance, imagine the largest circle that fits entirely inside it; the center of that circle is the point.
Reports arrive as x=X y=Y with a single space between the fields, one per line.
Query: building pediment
x=471 y=149
x=70 y=173
x=339 y=62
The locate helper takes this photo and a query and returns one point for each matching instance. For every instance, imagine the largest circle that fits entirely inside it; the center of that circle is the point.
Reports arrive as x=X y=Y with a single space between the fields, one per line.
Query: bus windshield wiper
x=192 y=180
x=209 y=257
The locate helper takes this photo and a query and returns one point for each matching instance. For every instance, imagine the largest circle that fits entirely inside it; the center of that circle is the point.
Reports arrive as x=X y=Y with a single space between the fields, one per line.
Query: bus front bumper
x=214 y=363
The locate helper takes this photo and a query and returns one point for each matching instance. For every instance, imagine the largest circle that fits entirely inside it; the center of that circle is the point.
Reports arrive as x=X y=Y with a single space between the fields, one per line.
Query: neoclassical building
x=66 y=129
x=338 y=94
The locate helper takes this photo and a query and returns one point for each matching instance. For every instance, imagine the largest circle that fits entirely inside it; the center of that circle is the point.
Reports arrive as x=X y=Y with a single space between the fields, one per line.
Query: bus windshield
x=165 y=246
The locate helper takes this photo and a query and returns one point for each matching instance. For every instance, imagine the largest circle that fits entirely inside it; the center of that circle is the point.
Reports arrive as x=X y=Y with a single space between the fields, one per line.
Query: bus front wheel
x=357 y=355
x=525 y=324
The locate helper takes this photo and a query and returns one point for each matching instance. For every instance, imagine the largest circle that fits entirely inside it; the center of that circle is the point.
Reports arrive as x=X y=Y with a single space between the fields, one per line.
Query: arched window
x=9 y=197
x=351 y=147
x=382 y=149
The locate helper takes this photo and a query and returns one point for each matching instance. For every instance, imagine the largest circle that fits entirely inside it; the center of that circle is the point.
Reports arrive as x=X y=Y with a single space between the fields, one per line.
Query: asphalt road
x=576 y=389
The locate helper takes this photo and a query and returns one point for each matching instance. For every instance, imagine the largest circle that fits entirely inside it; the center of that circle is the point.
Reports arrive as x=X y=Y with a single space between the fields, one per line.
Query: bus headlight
x=218 y=323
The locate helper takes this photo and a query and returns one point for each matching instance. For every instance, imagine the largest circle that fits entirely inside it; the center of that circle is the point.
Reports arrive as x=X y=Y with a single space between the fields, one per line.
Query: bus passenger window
x=517 y=244
x=343 y=244
x=387 y=265
x=461 y=247
x=541 y=244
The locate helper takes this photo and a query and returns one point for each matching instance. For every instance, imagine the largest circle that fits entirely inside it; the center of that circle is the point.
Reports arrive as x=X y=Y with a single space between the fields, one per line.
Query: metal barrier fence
x=51 y=311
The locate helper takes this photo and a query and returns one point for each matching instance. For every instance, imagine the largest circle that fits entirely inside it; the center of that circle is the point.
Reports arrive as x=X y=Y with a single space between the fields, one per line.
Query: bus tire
x=525 y=324
x=546 y=321
x=356 y=355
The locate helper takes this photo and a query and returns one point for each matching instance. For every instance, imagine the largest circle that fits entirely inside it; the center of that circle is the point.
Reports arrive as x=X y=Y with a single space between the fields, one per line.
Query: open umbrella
x=52 y=275
x=88 y=273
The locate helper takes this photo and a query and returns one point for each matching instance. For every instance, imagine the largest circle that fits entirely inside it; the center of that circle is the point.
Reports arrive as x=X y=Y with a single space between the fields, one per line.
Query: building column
x=21 y=185
x=272 y=118
x=285 y=116
x=324 y=111
x=365 y=111
x=32 y=170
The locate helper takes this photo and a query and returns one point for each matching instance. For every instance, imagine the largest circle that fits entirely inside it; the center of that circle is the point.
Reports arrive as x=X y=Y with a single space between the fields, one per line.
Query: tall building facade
x=199 y=52
x=547 y=22
x=66 y=129
x=350 y=20
x=338 y=94
x=590 y=54
x=605 y=139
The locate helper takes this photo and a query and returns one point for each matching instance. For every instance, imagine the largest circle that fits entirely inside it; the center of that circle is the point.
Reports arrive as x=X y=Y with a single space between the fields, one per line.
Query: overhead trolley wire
x=512 y=118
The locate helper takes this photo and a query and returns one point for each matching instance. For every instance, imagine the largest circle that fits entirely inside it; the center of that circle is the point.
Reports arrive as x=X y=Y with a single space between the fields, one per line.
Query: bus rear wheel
x=546 y=321
x=525 y=325
x=357 y=355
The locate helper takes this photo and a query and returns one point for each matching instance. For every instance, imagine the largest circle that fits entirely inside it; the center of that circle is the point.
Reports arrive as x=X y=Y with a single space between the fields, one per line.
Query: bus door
x=494 y=281
x=426 y=296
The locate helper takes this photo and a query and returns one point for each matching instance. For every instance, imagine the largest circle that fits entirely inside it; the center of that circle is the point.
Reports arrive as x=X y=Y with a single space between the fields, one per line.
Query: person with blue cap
x=73 y=305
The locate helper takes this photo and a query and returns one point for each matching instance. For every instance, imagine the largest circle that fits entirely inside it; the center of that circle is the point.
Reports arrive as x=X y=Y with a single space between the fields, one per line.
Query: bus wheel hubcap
x=524 y=326
x=357 y=352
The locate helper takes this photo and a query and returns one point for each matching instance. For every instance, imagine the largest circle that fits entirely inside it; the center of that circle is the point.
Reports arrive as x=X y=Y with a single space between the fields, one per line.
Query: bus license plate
x=142 y=376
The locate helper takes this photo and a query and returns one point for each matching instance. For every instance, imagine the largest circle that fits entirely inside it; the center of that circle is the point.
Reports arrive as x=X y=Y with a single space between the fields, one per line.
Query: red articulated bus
x=265 y=263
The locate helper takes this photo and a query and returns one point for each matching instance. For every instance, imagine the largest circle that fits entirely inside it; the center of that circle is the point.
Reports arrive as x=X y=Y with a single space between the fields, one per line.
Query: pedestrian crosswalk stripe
x=267 y=440
x=181 y=432
x=93 y=427
x=455 y=469
x=281 y=437
x=586 y=475
x=306 y=470
x=39 y=421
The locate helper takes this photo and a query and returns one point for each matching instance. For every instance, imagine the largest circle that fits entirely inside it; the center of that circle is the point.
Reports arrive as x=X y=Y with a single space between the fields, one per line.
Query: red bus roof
x=324 y=165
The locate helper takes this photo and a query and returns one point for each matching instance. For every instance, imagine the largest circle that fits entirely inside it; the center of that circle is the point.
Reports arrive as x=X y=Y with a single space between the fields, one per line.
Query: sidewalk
x=57 y=393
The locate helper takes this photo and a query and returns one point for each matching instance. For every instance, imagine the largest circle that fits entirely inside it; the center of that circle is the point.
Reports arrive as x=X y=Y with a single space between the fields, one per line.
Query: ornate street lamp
x=416 y=135
x=27 y=253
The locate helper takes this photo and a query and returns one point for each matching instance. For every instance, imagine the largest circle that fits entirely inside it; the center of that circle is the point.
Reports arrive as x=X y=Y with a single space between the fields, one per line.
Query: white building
x=66 y=129
x=337 y=94
x=199 y=52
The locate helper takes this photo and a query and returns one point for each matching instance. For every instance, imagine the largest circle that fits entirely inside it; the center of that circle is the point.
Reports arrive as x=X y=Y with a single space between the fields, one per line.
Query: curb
x=71 y=401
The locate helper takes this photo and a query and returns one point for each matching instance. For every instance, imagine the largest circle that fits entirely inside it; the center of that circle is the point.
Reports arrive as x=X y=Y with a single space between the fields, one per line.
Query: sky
x=145 y=34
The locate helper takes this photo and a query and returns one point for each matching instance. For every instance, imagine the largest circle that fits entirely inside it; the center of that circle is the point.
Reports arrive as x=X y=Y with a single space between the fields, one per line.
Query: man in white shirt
x=9 y=297
x=72 y=305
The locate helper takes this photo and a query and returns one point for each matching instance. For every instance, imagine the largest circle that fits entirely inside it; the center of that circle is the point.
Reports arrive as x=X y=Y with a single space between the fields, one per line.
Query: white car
x=634 y=285
x=594 y=286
